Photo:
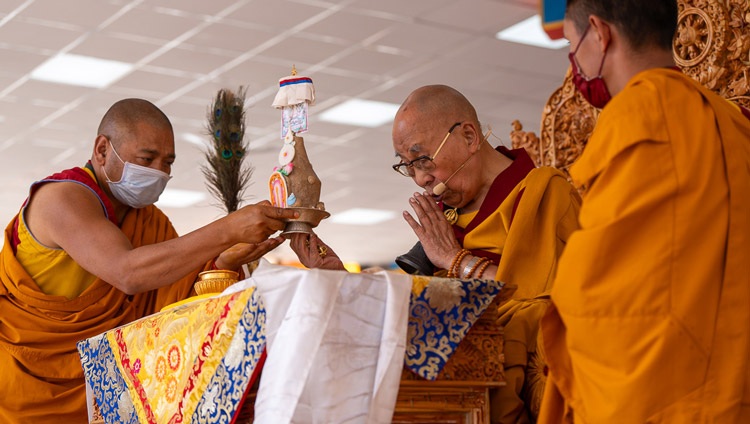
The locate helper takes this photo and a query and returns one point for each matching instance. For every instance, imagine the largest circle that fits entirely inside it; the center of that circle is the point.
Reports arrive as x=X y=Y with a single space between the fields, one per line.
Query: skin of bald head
x=125 y=115
x=419 y=127
x=434 y=106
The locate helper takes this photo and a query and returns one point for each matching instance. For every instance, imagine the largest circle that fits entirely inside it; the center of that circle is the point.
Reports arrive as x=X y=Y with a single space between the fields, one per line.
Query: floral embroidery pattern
x=174 y=357
x=171 y=389
x=166 y=367
x=161 y=368
x=444 y=297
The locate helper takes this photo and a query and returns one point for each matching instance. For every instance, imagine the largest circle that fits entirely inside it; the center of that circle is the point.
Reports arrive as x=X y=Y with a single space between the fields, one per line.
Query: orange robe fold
x=651 y=316
x=536 y=212
x=544 y=218
x=41 y=379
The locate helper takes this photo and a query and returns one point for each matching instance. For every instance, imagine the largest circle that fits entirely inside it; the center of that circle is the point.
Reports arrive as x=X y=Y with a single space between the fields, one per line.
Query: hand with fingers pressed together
x=433 y=230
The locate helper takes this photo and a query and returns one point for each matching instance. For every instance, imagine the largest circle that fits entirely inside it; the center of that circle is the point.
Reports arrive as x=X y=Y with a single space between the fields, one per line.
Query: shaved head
x=438 y=104
x=123 y=118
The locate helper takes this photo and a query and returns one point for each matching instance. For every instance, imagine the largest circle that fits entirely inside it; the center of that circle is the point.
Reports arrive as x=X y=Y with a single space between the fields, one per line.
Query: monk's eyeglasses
x=424 y=163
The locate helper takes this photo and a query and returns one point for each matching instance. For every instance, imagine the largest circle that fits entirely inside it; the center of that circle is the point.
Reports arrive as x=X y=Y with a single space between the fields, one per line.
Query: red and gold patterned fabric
x=192 y=363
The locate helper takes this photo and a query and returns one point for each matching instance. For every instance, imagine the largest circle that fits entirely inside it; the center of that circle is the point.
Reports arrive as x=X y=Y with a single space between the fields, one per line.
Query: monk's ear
x=470 y=134
x=603 y=31
x=101 y=145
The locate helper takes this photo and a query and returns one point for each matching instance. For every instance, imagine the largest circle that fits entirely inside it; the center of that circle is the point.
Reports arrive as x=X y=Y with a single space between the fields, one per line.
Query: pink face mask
x=594 y=90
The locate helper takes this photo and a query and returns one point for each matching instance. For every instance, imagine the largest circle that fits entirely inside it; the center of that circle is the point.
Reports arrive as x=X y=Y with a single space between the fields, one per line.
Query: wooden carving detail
x=567 y=122
x=460 y=394
x=712 y=45
x=439 y=402
x=527 y=140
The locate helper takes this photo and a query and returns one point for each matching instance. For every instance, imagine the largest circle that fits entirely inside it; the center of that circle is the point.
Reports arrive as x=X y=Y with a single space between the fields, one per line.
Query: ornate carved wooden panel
x=461 y=392
x=712 y=45
x=441 y=402
x=567 y=122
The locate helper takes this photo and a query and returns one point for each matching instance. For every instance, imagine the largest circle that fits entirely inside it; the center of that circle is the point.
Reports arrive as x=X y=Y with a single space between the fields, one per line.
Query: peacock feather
x=226 y=174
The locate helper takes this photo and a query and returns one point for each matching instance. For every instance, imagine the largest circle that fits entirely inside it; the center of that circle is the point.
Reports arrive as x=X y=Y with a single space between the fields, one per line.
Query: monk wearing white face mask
x=89 y=251
x=139 y=186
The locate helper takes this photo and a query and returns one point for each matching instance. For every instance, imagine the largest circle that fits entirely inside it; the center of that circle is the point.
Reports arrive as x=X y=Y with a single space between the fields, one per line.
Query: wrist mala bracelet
x=470 y=267
x=484 y=266
x=474 y=268
x=456 y=263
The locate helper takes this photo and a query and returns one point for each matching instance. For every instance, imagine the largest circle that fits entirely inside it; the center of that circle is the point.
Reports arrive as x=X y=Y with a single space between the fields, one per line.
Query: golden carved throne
x=712 y=45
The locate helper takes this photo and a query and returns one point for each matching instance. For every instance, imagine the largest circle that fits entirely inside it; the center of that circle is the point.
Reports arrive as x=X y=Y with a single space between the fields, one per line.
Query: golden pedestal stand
x=215 y=281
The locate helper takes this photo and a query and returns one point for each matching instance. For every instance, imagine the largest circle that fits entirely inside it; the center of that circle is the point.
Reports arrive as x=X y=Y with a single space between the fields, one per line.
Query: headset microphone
x=441 y=187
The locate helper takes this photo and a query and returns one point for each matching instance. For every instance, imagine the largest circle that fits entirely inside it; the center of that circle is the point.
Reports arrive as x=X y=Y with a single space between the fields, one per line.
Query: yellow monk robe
x=41 y=379
x=49 y=267
x=526 y=233
x=651 y=306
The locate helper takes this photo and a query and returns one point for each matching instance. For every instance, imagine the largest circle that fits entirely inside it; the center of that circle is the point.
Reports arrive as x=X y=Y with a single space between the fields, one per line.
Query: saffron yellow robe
x=41 y=379
x=528 y=231
x=651 y=305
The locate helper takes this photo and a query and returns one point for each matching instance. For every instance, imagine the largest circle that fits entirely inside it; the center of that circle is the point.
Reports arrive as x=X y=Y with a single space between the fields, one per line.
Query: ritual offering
x=293 y=183
x=215 y=281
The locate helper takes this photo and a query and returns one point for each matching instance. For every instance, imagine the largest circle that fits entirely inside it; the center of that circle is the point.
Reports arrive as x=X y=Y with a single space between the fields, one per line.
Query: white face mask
x=139 y=186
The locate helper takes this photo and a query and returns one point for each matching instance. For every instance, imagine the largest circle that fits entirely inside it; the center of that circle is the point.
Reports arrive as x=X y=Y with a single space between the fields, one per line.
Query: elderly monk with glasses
x=485 y=212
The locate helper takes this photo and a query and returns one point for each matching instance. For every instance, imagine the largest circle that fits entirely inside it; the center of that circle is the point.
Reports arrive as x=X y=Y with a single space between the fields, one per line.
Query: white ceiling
x=186 y=50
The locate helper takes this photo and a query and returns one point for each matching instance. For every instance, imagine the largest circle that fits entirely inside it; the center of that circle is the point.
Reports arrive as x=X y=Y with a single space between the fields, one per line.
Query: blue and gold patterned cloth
x=441 y=312
x=196 y=362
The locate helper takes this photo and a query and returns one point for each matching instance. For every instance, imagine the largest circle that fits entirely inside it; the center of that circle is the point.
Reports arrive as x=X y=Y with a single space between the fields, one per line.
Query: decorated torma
x=293 y=183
